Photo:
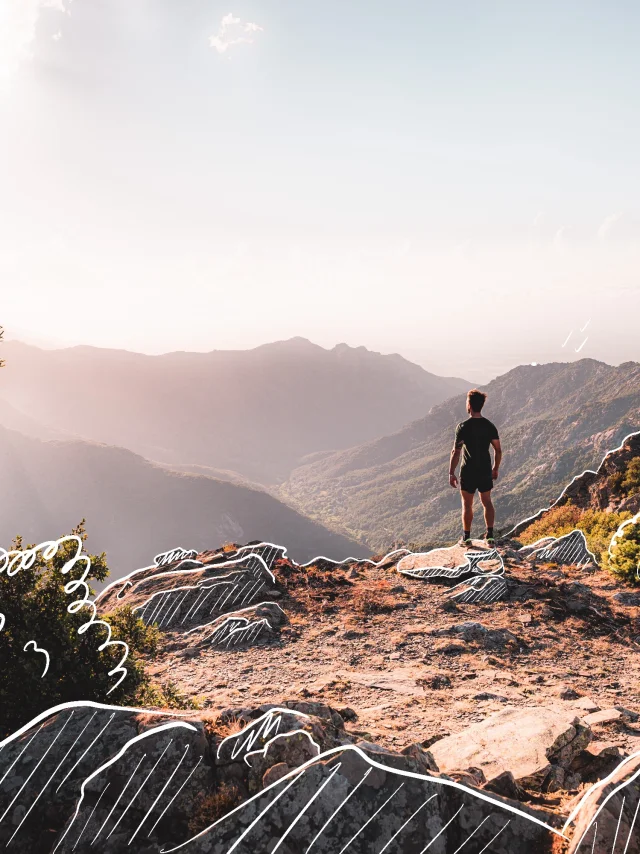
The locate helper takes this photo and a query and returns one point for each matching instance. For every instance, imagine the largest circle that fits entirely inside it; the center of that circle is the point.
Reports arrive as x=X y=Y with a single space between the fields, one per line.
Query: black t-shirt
x=474 y=436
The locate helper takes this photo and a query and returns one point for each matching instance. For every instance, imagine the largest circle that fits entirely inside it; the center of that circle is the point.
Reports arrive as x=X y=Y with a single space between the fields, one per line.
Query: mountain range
x=136 y=509
x=255 y=412
x=555 y=420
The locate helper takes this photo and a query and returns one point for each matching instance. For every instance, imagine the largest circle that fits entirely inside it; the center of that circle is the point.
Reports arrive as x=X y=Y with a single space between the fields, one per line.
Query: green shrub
x=624 y=559
x=598 y=527
x=35 y=607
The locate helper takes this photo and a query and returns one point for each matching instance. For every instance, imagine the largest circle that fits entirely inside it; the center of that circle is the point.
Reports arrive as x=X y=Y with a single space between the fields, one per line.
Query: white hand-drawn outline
x=539 y=513
x=172 y=555
x=36 y=648
x=471 y=565
x=635 y=520
x=547 y=549
x=109 y=762
x=262 y=727
x=12 y=562
x=294 y=774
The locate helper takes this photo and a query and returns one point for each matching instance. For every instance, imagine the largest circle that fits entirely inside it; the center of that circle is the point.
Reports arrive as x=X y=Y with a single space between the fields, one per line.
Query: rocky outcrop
x=536 y=745
x=569 y=550
x=598 y=489
x=91 y=777
x=87 y=777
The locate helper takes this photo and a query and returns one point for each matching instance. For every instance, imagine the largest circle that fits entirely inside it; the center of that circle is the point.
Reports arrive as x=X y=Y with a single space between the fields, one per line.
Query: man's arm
x=453 y=465
x=497 y=457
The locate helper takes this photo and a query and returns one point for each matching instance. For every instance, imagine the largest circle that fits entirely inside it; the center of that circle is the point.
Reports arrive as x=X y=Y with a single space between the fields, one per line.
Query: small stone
x=587 y=704
x=555 y=779
x=485 y=695
x=627 y=598
x=603 y=717
x=572 y=781
x=569 y=694
x=348 y=714
x=437 y=682
x=504 y=784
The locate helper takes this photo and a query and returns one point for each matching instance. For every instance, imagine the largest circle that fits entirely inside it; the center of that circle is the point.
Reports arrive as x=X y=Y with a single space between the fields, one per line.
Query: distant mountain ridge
x=257 y=412
x=555 y=420
x=135 y=508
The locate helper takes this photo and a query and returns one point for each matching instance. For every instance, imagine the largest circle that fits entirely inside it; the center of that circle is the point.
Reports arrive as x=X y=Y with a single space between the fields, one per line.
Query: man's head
x=475 y=401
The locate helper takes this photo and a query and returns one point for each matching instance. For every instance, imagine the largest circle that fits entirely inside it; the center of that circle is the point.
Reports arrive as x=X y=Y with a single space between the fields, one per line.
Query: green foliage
x=625 y=554
x=631 y=480
x=598 y=527
x=36 y=607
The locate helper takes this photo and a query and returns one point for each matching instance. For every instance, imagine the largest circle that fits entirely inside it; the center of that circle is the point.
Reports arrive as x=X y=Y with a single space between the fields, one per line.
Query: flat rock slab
x=603 y=717
x=449 y=557
x=522 y=741
x=402 y=680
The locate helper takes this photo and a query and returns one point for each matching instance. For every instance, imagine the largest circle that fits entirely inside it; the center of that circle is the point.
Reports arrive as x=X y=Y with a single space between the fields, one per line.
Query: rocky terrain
x=524 y=695
x=450 y=700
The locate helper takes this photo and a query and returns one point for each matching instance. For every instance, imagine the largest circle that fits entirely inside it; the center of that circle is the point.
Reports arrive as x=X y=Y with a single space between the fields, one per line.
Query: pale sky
x=457 y=182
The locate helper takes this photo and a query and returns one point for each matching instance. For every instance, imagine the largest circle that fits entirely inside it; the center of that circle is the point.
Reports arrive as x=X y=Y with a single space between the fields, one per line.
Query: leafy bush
x=624 y=560
x=36 y=608
x=598 y=527
x=631 y=480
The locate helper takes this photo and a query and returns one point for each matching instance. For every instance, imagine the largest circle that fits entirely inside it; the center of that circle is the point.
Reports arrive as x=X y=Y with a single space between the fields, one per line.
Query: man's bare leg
x=467 y=509
x=489 y=509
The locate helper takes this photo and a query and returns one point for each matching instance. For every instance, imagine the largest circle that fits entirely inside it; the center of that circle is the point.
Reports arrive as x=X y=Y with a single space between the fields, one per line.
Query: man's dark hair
x=476 y=399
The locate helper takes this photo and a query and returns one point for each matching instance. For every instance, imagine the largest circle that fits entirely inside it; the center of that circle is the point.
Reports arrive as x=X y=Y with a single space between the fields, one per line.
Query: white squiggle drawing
x=582 y=328
x=569 y=549
x=44 y=652
x=12 y=562
x=577 y=349
x=234 y=631
x=566 y=340
x=262 y=727
x=3 y=620
x=171 y=556
x=539 y=513
x=265 y=748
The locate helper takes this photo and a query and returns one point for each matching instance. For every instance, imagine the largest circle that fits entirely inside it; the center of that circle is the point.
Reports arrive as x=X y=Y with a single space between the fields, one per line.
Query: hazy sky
x=458 y=182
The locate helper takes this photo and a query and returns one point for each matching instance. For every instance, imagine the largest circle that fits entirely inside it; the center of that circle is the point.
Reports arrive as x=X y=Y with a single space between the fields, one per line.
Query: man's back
x=475 y=436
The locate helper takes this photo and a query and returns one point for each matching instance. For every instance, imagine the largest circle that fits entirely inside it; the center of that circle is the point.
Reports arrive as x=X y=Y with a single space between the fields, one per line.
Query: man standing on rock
x=473 y=438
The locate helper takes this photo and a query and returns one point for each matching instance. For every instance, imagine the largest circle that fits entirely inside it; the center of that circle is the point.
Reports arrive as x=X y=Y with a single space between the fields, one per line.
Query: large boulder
x=531 y=743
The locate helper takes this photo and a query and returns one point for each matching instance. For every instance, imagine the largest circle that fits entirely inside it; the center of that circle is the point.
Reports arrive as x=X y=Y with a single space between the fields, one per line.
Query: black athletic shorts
x=470 y=481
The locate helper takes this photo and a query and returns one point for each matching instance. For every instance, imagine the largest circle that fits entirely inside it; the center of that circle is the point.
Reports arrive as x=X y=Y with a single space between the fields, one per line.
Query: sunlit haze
x=458 y=183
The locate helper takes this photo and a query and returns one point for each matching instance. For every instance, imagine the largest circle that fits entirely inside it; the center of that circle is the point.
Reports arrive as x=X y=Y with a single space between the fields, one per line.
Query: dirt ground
x=382 y=644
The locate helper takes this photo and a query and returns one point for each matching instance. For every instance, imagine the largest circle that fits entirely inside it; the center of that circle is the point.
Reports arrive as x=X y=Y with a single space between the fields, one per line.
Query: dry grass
x=219 y=729
x=211 y=806
x=373 y=599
